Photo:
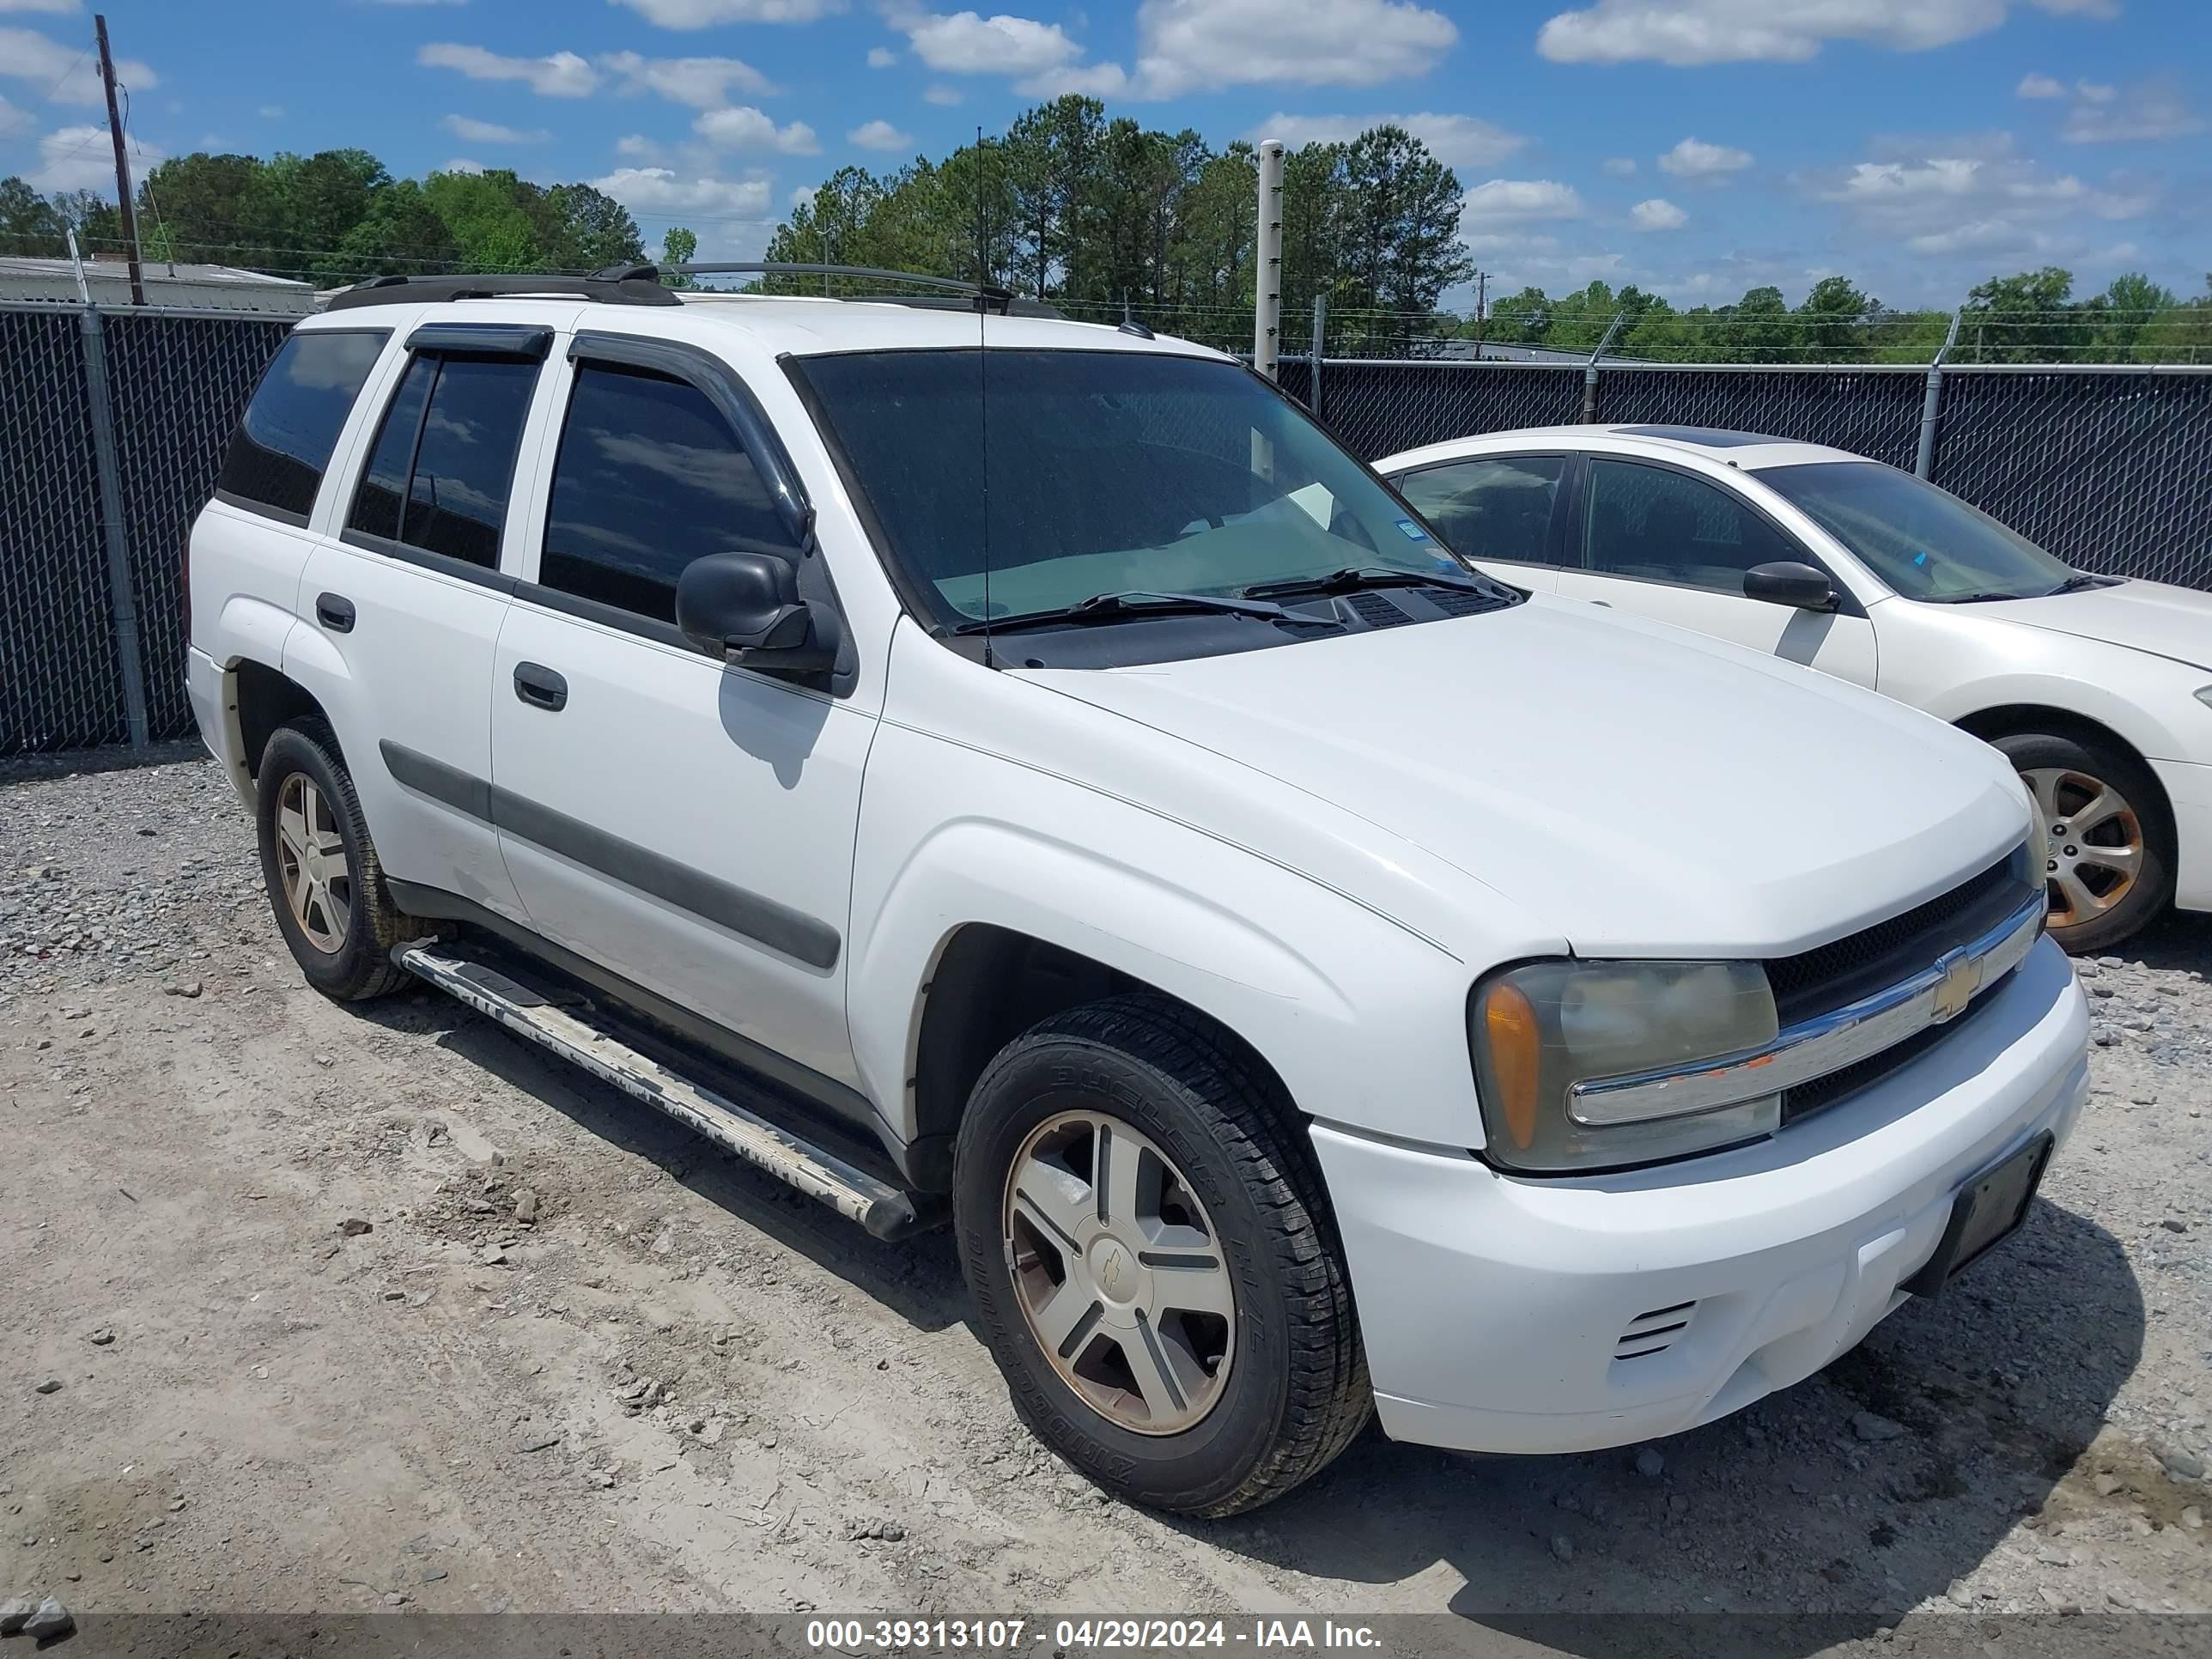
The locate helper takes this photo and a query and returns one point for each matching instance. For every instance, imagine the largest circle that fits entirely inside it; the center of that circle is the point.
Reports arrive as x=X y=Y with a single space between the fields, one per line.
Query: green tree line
x=336 y=216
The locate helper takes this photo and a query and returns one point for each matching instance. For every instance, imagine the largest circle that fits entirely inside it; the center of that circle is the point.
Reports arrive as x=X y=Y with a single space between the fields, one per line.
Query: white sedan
x=2098 y=688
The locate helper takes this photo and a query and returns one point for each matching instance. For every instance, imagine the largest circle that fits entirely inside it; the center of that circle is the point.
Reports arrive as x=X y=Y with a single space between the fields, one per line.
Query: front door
x=686 y=824
x=1664 y=543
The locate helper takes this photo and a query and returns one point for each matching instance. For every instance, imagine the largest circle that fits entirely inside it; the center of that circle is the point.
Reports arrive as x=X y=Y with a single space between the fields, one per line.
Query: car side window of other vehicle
x=1497 y=507
x=649 y=478
x=439 y=478
x=276 y=461
x=1657 y=525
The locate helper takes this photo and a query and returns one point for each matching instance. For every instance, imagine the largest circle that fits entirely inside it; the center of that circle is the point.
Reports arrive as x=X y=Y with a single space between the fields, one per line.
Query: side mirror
x=1785 y=581
x=745 y=608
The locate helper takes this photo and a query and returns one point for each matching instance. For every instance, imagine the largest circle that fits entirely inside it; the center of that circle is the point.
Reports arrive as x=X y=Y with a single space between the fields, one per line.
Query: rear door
x=404 y=605
x=1659 y=541
x=1501 y=511
x=683 y=821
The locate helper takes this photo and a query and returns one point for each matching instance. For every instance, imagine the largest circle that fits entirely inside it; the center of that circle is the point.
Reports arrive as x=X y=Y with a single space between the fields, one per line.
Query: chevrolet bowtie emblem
x=1960 y=977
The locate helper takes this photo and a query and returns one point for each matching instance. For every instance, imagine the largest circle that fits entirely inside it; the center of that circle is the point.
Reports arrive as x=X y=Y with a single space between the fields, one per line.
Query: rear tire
x=1227 y=1414
x=320 y=868
x=2111 y=864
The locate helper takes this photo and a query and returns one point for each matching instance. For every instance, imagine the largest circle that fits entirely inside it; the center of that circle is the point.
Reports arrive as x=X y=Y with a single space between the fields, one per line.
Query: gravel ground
x=354 y=1310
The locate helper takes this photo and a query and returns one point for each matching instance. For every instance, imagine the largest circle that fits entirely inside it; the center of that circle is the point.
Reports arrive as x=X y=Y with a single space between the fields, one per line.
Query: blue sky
x=1694 y=146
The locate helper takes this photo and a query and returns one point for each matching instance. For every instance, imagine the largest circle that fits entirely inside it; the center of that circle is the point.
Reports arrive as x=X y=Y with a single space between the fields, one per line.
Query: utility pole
x=1268 y=276
x=122 y=162
x=1481 y=292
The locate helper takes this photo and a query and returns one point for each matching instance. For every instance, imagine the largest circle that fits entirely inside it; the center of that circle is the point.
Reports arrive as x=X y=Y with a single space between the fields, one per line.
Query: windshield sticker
x=1919 y=558
x=1413 y=531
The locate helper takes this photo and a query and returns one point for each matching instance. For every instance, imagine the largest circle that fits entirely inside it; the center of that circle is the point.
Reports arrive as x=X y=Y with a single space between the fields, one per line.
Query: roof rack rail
x=979 y=296
x=619 y=286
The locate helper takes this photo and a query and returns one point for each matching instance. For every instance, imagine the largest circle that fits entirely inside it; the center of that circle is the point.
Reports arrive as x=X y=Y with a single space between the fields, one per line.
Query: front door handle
x=539 y=686
x=335 y=612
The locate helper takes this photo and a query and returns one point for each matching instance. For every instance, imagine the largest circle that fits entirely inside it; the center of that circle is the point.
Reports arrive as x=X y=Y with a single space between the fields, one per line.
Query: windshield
x=1925 y=542
x=1108 y=472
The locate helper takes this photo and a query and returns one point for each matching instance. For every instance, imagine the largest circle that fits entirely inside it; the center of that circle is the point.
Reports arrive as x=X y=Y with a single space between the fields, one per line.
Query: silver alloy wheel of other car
x=311 y=856
x=1119 y=1272
x=2096 y=842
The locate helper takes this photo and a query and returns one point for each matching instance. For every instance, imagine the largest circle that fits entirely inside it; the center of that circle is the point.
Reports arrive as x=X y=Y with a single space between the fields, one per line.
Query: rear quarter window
x=276 y=461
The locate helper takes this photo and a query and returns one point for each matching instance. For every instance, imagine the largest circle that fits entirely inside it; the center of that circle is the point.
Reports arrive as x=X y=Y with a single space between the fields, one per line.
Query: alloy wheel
x=310 y=860
x=2096 y=846
x=1119 y=1272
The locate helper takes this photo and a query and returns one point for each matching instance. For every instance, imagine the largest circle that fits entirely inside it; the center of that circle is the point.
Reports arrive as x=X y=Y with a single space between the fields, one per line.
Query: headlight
x=1538 y=1031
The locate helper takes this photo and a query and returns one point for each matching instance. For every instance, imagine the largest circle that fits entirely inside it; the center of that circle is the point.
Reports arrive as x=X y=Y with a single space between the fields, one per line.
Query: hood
x=1644 y=790
x=2168 y=621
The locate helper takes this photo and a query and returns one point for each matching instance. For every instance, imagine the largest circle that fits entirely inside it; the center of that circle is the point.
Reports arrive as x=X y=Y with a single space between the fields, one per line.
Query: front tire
x=1147 y=1239
x=324 y=882
x=2111 y=864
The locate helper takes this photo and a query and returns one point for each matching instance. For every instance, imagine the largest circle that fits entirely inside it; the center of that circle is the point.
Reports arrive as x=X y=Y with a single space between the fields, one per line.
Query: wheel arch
x=260 y=699
x=2014 y=719
x=988 y=984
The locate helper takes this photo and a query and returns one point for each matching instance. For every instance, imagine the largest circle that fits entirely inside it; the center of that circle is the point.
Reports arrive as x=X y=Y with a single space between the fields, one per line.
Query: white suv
x=986 y=767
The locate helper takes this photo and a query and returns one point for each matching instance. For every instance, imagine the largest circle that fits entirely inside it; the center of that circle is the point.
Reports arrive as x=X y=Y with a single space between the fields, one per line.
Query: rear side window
x=1493 y=508
x=649 y=476
x=443 y=465
x=276 y=458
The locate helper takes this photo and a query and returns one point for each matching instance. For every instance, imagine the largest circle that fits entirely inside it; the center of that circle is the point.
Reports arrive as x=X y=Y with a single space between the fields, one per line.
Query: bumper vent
x=1655 y=1332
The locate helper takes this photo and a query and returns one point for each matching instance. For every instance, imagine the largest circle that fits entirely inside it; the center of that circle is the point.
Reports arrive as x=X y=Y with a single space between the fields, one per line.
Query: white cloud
x=878 y=58
x=744 y=127
x=966 y=43
x=71 y=72
x=1516 y=201
x=1683 y=32
x=558 y=75
x=701 y=83
x=2147 y=114
x=659 y=192
x=1620 y=166
x=1457 y=141
x=462 y=164
x=1185 y=46
x=803 y=196
x=636 y=147
x=2092 y=93
x=270 y=111
x=879 y=135
x=471 y=130
x=83 y=158
x=57 y=7
x=938 y=93
x=709 y=14
x=1657 y=214
x=2038 y=86
x=1694 y=158
x=1188 y=45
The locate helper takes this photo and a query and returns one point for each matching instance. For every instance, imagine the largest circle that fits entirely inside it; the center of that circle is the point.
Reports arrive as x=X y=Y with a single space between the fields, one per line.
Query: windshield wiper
x=1145 y=602
x=2076 y=583
x=1353 y=577
x=1983 y=597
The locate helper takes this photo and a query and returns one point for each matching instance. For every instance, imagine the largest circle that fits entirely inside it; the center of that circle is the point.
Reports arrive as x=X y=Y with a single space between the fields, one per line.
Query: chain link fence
x=2110 y=468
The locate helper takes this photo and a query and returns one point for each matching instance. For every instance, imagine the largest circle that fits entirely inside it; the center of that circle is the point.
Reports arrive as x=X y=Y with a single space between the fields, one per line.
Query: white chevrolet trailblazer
x=986 y=767
x=2098 y=689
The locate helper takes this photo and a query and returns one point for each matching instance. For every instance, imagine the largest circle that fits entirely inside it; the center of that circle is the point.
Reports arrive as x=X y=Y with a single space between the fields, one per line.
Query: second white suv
x=986 y=767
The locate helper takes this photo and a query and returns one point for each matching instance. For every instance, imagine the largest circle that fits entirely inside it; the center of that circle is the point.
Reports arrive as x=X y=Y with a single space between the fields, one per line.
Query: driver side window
x=649 y=478
x=1659 y=525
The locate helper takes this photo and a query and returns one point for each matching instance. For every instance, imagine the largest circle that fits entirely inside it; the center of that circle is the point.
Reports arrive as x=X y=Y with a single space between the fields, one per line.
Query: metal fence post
x=1267 y=273
x=1589 y=372
x=1931 y=408
x=1313 y=392
x=122 y=599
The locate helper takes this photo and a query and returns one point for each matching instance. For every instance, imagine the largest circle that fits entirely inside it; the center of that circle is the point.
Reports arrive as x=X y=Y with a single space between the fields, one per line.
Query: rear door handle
x=539 y=686
x=335 y=612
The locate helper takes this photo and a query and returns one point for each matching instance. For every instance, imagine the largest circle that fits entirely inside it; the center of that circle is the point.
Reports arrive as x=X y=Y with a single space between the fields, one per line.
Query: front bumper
x=1511 y=1314
x=2189 y=790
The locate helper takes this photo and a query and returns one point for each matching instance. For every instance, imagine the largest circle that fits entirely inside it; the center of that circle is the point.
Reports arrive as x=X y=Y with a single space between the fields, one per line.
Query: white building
x=218 y=288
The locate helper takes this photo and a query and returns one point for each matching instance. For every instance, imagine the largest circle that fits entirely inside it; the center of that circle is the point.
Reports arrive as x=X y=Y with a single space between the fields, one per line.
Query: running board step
x=882 y=1208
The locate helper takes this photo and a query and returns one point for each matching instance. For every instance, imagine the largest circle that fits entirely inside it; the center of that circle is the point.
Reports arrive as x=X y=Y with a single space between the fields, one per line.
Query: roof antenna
x=983 y=385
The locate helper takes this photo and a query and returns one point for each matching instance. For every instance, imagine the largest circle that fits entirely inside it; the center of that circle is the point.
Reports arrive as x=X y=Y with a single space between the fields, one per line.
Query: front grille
x=1822 y=1092
x=1828 y=976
